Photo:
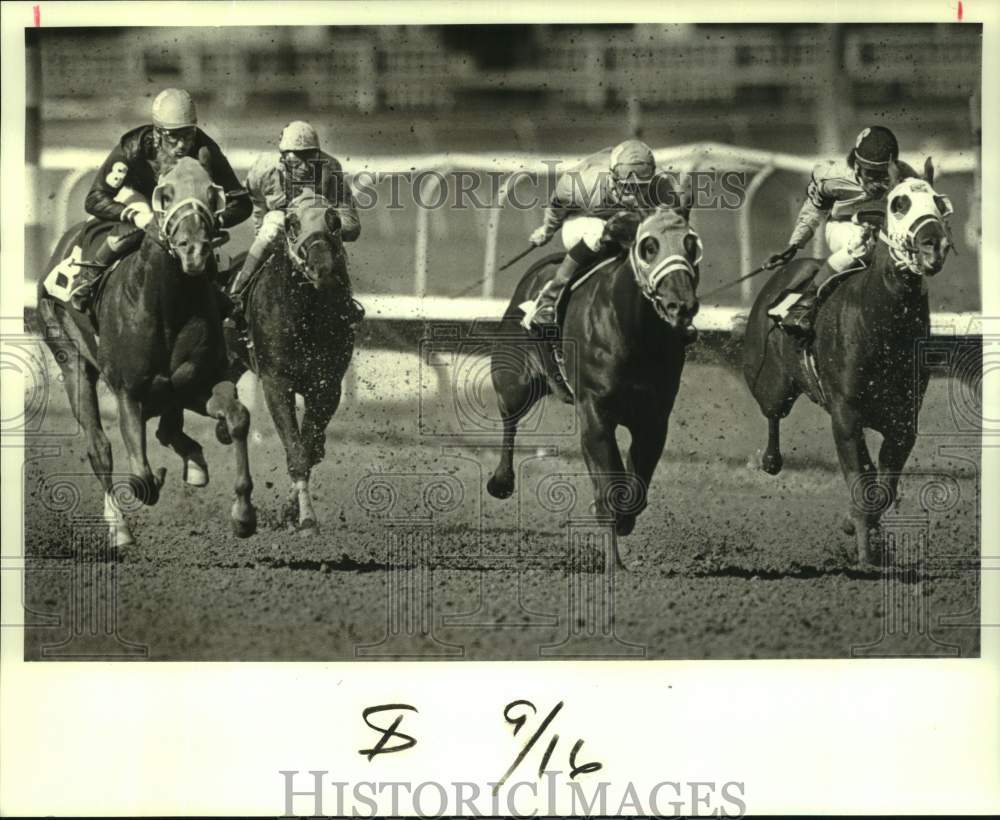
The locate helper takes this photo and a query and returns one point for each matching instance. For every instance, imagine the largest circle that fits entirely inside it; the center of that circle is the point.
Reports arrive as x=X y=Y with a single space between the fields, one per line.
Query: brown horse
x=299 y=309
x=623 y=334
x=865 y=352
x=160 y=350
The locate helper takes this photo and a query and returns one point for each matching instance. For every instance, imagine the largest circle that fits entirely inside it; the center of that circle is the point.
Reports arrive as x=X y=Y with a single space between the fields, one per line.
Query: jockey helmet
x=632 y=169
x=875 y=147
x=298 y=136
x=633 y=159
x=173 y=109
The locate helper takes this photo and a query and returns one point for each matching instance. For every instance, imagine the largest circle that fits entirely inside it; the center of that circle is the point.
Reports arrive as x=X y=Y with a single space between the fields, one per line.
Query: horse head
x=665 y=260
x=916 y=229
x=312 y=236
x=187 y=205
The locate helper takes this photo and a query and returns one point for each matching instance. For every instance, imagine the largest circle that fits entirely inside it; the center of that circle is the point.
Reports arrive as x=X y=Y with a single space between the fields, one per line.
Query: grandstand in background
x=435 y=68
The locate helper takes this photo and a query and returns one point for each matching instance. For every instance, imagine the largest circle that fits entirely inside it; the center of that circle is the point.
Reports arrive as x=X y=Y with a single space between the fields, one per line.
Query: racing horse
x=300 y=338
x=865 y=370
x=624 y=330
x=160 y=350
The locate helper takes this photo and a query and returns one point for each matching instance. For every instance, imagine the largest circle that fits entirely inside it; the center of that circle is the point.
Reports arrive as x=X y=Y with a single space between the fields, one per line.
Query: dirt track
x=726 y=562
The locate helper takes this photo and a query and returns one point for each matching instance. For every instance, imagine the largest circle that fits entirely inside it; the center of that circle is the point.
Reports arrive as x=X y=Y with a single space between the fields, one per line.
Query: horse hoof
x=245 y=528
x=771 y=464
x=222 y=432
x=308 y=527
x=847 y=525
x=625 y=525
x=195 y=474
x=498 y=489
x=146 y=491
x=121 y=539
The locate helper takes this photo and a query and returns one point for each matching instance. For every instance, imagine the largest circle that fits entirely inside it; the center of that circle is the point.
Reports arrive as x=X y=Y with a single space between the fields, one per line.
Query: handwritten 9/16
x=516 y=713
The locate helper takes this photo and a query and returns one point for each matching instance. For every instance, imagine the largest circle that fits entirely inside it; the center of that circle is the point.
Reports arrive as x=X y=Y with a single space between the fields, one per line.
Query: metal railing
x=514 y=169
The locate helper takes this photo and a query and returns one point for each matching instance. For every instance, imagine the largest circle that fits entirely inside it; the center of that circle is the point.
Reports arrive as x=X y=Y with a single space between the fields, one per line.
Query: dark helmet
x=874 y=148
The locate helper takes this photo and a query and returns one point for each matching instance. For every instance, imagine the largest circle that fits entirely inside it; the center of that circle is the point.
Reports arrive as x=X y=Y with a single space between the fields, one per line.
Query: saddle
x=550 y=338
x=779 y=307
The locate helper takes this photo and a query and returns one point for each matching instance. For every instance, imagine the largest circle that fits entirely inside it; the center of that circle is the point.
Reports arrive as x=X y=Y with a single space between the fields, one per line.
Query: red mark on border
x=959 y=10
x=38 y=15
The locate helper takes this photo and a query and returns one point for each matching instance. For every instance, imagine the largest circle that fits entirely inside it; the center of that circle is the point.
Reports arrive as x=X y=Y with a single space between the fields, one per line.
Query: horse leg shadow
x=518 y=388
x=280 y=398
x=170 y=433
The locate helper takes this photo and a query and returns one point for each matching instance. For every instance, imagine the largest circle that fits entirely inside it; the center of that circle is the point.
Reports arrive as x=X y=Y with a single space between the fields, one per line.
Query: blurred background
x=387 y=94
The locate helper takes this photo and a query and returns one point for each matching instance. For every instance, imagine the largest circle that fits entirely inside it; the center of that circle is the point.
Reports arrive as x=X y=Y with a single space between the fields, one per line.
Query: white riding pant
x=848 y=243
x=586 y=229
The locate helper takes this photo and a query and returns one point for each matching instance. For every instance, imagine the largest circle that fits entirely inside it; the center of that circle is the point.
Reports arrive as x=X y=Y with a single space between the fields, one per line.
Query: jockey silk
x=835 y=193
x=270 y=190
x=587 y=190
x=134 y=163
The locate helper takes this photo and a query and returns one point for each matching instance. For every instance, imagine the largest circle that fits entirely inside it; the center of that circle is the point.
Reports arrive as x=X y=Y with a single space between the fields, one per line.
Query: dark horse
x=625 y=353
x=866 y=357
x=160 y=350
x=297 y=312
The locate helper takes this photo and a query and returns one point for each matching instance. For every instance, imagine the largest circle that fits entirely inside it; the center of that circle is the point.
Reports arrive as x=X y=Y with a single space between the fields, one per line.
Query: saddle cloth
x=550 y=344
x=61 y=280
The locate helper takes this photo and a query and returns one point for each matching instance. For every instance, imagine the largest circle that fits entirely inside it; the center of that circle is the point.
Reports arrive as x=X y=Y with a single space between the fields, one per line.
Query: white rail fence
x=77 y=165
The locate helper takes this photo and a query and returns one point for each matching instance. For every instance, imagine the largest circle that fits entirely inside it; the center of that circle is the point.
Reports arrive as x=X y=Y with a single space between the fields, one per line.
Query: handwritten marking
x=388 y=733
x=37 y=11
x=960 y=11
x=518 y=723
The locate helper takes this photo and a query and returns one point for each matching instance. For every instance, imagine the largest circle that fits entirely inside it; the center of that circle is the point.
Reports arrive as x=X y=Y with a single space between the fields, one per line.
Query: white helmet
x=298 y=136
x=633 y=159
x=173 y=108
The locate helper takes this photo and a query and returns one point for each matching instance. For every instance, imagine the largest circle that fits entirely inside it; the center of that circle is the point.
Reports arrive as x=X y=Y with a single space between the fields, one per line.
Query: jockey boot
x=355 y=312
x=111 y=249
x=801 y=316
x=799 y=319
x=579 y=257
x=237 y=315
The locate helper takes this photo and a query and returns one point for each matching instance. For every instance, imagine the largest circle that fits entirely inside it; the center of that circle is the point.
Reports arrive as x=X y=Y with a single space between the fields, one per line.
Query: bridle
x=674 y=263
x=184 y=207
x=298 y=254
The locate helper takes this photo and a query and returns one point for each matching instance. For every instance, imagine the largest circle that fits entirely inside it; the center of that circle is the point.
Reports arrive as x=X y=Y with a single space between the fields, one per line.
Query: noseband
x=191 y=205
x=298 y=254
x=671 y=264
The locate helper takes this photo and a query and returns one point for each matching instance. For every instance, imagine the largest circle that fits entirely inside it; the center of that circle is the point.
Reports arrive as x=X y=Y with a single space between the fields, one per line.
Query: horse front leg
x=170 y=433
x=280 y=398
x=144 y=485
x=649 y=436
x=604 y=463
x=517 y=389
x=225 y=406
x=892 y=457
x=859 y=473
x=80 y=381
x=319 y=410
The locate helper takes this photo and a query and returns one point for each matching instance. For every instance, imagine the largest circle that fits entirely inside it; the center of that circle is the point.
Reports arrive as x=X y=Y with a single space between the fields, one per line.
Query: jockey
x=598 y=206
x=132 y=170
x=839 y=192
x=274 y=181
